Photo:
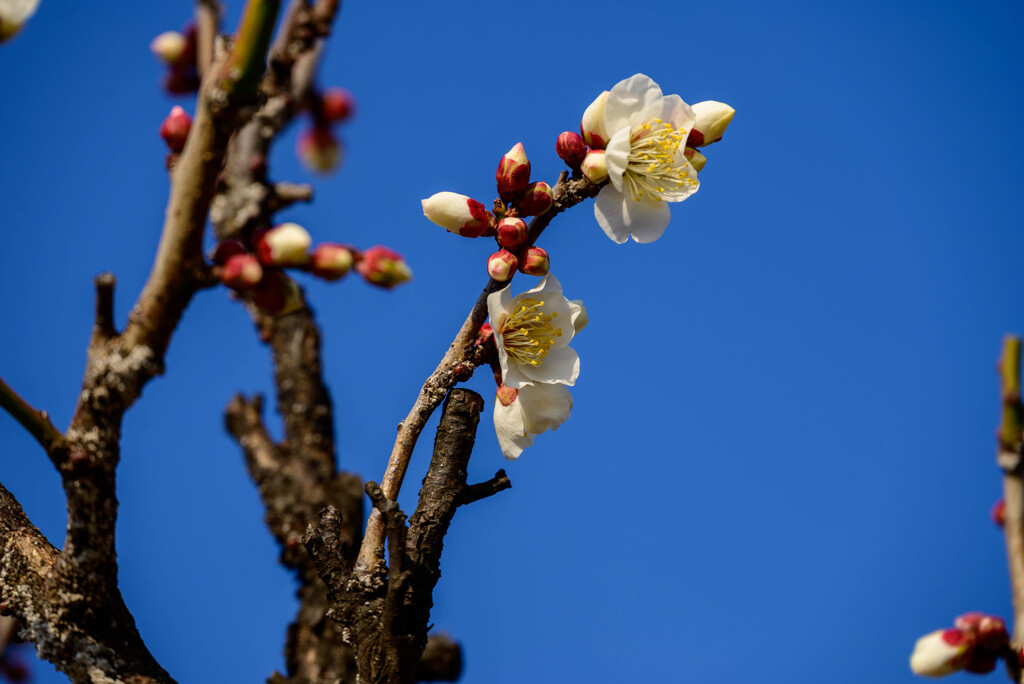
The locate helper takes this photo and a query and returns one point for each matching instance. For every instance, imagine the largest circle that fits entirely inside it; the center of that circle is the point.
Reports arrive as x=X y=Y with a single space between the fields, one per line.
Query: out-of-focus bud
x=225 y=250
x=181 y=81
x=982 y=662
x=941 y=653
x=457 y=214
x=513 y=173
x=15 y=670
x=999 y=512
x=13 y=15
x=336 y=104
x=485 y=335
x=534 y=261
x=174 y=130
x=506 y=395
x=990 y=630
x=241 y=272
x=284 y=245
x=170 y=47
x=712 y=120
x=592 y=126
x=594 y=167
x=512 y=232
x=331 y=261
x=383 y=267
x=318 y=149
x=571 y=149
x=536 y=199
x=277 y=293
x=696 y=159
x=502 y=265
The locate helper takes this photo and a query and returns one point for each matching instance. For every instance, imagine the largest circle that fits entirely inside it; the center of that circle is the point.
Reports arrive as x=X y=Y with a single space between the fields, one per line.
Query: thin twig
x=482 y=490
x=36 y=422
x=1009 y=457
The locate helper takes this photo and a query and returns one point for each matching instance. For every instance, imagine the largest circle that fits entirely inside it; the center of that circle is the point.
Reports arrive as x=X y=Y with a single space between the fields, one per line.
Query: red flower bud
x=336 y=104
x=502 y=265
x=318 y=149
x=570 y=149
x=331 y=261
x=999 y=512
x=241 y=272
x=512 y=232
x=174 y=130
x=534 y=262
x=536 y=199
x=383 y=267
x=513 y=173
x=277 y=293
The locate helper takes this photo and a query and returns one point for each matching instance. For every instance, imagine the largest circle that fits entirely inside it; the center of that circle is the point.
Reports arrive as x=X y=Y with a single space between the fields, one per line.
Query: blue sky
x=780 y=462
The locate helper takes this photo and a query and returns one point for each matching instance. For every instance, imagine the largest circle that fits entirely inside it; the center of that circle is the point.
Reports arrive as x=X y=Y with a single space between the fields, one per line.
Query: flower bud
x=174 y=130
x=712 y=120
x=534 y=262
x=512 y=232
x=336 y=104
x=225 y=250
x=457 y=214
x=13 y=16
x=990 y=630
x=999 y=513
x=461 y=372
x=277 y=293
x=536 y=199
x=696 y=159
x=513 y=173
x=241 y=272
x=170 y=47
x=383 y=267
x=941 y=653
x=318 y=149
x=592 y=126
x=506 y=395
x=485 y=335
x=284 y=245
x=594 y=167
x=502 y=265
x=570 y=148
x=331 y=261
x=181 y=80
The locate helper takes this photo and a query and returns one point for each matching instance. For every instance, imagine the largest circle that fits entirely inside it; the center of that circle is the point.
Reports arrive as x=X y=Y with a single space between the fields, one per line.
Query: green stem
x=245 y=66
x=1010 y=427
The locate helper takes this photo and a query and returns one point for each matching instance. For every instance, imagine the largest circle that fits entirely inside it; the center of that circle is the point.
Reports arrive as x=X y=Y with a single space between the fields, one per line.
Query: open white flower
x=533 y=331
x=645 y=157
x=529 y=411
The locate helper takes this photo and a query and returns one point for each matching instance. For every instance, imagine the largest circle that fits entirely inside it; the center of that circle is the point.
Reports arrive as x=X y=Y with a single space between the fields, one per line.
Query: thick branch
x=207 y=28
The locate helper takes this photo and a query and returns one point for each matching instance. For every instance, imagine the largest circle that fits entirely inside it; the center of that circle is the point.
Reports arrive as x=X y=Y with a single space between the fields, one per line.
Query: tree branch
x=1009 y=457
x=36 y=422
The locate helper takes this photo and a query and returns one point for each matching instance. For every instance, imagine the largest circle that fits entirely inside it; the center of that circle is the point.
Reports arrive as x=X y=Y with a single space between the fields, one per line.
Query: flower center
x=654 y=166
x=527 y=333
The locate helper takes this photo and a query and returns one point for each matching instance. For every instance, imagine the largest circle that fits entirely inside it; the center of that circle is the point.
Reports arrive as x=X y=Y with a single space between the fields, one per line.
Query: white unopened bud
x=941 y=653
x=284 y=245
x=712 y=120
x=502 y=265
x=592 y=126
x=594 y=167
x=331 y=261
x=696 y=159
x=169 y=47
x=457 y=214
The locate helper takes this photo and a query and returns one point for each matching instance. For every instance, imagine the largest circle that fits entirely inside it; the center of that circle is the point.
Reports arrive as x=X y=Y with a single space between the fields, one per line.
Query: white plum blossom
x=531 y=410
x=533 y=331
x=647 y=167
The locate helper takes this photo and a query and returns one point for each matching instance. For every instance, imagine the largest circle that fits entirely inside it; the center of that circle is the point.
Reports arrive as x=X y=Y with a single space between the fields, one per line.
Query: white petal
x=560 y=366
x=17 y=11
x=498 y=304
x=509 y=428
x=647 y=220
x=631 y=102
x=616 y=157
x=579 y=315
x=549 y=286
x=544 y=407
x=681 y=192
x=610 y=212
x=676 y=112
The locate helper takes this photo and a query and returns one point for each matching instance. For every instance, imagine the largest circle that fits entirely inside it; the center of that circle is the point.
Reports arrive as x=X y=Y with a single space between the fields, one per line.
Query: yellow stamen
x=527 y=333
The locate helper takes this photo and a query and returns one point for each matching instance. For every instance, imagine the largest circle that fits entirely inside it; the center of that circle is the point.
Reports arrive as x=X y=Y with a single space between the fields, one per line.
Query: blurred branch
x=1009 y=457
x=208 y=14
x=37 y=423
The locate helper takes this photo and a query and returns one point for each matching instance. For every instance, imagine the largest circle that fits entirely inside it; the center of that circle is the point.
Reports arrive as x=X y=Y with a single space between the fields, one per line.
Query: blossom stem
x=1009 y=457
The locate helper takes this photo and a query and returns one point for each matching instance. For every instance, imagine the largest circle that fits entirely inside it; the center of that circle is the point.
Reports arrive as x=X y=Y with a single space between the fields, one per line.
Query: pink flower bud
x=227 y=249
x=506 y=395
x=592 y=126
x=331 y=261
x=536 y=199
x=284 y=245
x=990 y=630
x=571 y=149
x=174 y=130
x=941 y=653
x=277 y=293
x=457 y=214
x=594 y=167
x=336 y=104
x=696 y=159
x=512 y=232
x=712 y=120
x=383 y=267
x=485 y=335
x=241 y=272
x=170 y=47
x=513 y=173
x=999 y=512
x=502 y=265
x=318 y=149
x=534 y=262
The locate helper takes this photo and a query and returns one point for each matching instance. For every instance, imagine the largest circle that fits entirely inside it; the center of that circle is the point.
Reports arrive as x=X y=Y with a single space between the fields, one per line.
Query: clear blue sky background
x=780 y=462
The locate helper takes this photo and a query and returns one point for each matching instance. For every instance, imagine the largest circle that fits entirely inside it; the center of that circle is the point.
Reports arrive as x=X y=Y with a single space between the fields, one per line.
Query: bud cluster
x=318 y=147
x=177 y=51
x=257 y=268
x=974 y=644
